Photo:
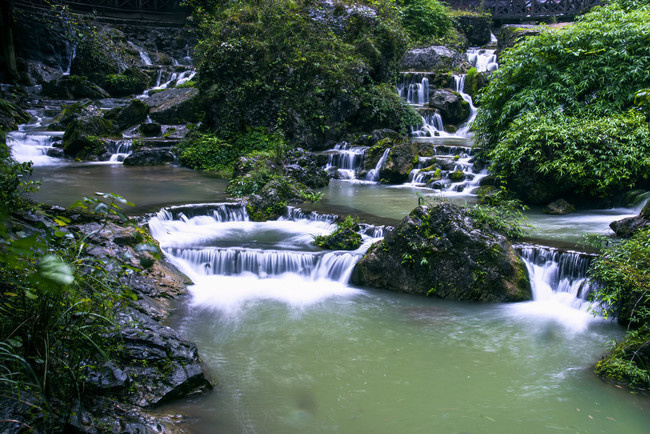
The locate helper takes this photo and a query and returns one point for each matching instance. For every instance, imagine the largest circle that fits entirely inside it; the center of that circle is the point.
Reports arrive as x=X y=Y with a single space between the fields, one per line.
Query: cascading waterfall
x=483 y=59
x=120 y=149
x=560 y=285
x=373 y=175
x=346 y=159
x=31 y=142
x=232 y=260
x=459 y=82
x=414 y=89
x=146 y=60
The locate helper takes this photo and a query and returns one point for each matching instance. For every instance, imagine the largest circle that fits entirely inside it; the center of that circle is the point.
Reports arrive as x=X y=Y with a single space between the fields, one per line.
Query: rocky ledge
x=440 y=251
x=148 y=363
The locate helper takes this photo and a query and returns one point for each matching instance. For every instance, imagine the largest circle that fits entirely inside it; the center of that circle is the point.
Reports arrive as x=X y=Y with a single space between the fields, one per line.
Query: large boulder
x=510 y=34
x=628 y=226
x=476 y=27
x=174 y=106
x=73 y=87
x=132 y=114
x=302 y=166
x=400 y=162
x=435 y=58
x=82 y=137
x=11 y=116
x=150 y=157
x=440 y=251
x=453 y=108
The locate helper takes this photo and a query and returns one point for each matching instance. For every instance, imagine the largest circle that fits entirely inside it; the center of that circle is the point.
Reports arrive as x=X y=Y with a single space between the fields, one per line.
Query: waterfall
x=31 y=143
x=146 y=60
x=373 y=175
x=559 y=284
x=482 y=59
x=459 y=81
x=346 y=159
x=120 y=149
x=70 y=54
x=414 y=90
x=233 y=261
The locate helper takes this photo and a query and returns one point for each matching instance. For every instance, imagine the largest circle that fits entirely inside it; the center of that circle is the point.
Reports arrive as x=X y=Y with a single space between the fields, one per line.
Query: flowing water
x=298 y=349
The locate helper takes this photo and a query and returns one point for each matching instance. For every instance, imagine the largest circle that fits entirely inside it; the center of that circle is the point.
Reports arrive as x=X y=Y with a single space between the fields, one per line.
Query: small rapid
x=234 y=261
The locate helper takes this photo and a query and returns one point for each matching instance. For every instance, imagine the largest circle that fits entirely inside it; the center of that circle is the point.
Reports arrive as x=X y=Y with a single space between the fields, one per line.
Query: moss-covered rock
x=440 y=251
x=11 y=116
x=453 y=108
x=400 y=162
x=435 y=58
x=175 y=106
x=132 y=114
x=82 y=137
x=131 y=81
x=341 y=239
x=73 y=87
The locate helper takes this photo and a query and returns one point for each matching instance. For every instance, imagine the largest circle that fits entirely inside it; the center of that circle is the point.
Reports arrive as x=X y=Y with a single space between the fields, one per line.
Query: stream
x=296 y=348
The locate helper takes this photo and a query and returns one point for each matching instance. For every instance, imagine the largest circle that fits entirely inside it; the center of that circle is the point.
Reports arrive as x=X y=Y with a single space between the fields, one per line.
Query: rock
x=11 y=116
x=475 y=27
x=628 y=226
x=440 y=251
x=174 y=106
x=132 y=81
x=149 y=157
x=82 y=136
x=132 y=114
x=303 y=167
x=341 y=239
x=558 y=207
x=73 y=87
x=400 y=162
x=457 y=176
x=150 y=129
x=510 y=34
x=72 y=111
x=434 y=59
x=453 y=108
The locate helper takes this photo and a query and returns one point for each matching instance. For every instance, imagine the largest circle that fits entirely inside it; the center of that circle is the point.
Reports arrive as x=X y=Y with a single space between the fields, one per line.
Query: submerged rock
x=440 y=251
x=559 y=207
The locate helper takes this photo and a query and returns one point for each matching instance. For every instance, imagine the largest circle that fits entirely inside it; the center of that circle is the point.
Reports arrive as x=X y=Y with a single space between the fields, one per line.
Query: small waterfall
x=560 y=287
x=32 y=143
x=120 y=149
x=373 y=175
x=70 y=54
x=346 y=159
x=220 y=212
x=296 y=214
x=146 y=60
x=482 y=59
x=414 y=90
x=459 y=81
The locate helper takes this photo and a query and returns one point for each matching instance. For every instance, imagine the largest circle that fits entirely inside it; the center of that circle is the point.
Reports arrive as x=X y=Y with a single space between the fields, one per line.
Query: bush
x=425 y=20
x=292 y=67
x=623 y=274
x=585 y=74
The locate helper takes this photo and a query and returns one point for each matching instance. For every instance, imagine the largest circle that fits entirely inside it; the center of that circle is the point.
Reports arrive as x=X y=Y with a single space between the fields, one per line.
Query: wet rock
x=440 y=251
x=628 y=226
x=434 y=59
x=453 y=108
x=150 y=129
x=303 y=167
x=82 y=136
x=11 y=115
x=150 y=157
x=558 y=207
x=400 y=162
x=132 y=114
x=457 y=176
x=73 y=87
x=174 y=106
x=131 y=81
x=72 y=111
x=475 y=27
x=510 y=34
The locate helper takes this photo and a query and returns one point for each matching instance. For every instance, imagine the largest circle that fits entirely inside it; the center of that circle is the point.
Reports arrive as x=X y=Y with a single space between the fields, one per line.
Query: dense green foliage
x=425 y=20
x=623 y=272
x=206 y=151
x=558 y=107
x=308 y=70
x=345 y=237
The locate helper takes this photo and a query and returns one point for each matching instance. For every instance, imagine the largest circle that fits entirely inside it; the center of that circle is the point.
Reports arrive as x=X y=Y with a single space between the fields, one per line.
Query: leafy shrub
x=586 y=73
x=425 y=20
x=273 y=64
x=500 y=213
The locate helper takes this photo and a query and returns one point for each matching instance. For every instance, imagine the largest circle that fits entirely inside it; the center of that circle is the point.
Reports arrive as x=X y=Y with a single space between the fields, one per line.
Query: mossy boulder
x=441 y=251
x=73 y=87
x=11 y=116
x=559 y=207
x=132 y=114
x=400 y=162
x=82 y=137
x=131 y=81
x=453 y=108
x=628 y=226
x=175 y=106
x=475 y=26
x=341 y=239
